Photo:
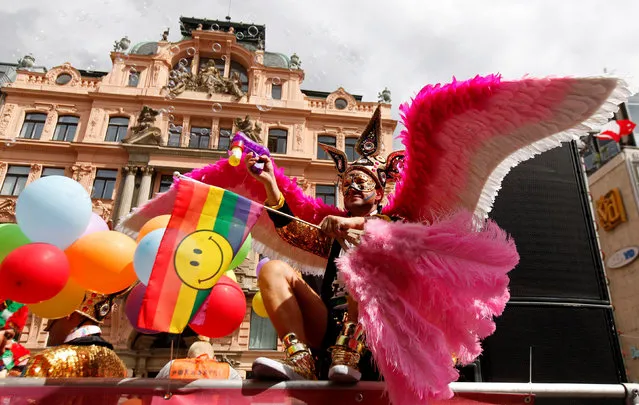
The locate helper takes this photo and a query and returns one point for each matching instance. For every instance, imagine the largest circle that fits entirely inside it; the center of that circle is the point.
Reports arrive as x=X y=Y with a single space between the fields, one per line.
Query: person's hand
x=337 y=227
x=267 y=176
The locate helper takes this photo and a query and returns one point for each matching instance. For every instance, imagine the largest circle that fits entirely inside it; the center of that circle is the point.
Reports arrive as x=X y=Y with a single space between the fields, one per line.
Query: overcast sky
x=362 y=45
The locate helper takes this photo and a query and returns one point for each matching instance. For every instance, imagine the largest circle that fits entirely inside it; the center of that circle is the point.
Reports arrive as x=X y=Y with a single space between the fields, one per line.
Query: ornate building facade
x=164 y=107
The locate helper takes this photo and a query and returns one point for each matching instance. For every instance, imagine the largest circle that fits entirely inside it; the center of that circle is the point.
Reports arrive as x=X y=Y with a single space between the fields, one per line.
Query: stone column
x=145 y=185
x=186 y=132
x=126 y=198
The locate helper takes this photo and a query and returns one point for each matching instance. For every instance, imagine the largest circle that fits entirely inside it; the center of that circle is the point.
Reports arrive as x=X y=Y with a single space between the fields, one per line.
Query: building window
x=199 y=138
x=239 y=71
x=134 y=78
x=341 y=103
x=224 y=141
x=277 y=140
x=349 y=148
x=33 y=126
x=276 y=92
x=15 y=180
x=165 y=182
x=104 y=184
x=326 y=193
x=262 y=335
x=117 y=129
x=65 y=130
x=52 y=171
x=326 y=140
x=63 y=78
x=175 y=134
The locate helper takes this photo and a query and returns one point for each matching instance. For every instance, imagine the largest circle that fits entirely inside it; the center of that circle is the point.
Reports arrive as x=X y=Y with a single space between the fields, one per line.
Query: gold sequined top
x=76 y=361
x=306 y=238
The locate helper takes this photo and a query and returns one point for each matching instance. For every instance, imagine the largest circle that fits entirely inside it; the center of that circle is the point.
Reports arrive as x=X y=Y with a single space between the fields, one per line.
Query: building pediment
x=58 y=76
x=340 y=93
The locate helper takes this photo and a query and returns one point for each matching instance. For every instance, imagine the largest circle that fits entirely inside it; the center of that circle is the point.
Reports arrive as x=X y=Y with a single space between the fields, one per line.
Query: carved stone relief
x=34 y=172
x=341 y=93
x=103 y=209
x=82 y=173
x=299 y=138
x=5 y=120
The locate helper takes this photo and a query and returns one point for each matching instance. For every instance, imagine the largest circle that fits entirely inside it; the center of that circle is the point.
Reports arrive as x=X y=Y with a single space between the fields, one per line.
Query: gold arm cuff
x=280 y=203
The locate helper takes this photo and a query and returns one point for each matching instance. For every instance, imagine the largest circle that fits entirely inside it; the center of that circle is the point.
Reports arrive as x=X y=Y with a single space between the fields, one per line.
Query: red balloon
x=33 y=273
x=222 y=312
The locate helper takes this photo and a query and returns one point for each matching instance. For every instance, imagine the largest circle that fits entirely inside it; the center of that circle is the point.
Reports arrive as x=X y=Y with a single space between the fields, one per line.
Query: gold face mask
x=359 y=181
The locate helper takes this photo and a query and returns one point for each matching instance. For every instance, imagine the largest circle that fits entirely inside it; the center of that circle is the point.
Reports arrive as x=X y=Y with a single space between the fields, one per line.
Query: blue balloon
x=54 y=210
x=145 y=254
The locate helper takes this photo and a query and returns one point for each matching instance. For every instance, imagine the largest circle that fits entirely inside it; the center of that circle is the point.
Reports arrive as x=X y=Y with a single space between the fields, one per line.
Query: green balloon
x=241 y=254
x=11 y=238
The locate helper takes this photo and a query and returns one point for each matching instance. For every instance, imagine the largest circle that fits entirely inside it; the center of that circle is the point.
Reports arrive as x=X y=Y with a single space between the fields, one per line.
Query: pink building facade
x=94 y=128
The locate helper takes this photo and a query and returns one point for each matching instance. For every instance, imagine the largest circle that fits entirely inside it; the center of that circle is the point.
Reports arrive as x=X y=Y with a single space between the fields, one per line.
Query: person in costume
x=326 y=322
x=77 y=348
x=427 y=288
x=13 y=318
x=200 y=363
x=14 y=360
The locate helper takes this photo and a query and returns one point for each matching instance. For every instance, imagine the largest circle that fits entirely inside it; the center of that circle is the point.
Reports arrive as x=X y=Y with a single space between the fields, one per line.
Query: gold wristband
x=280 y=203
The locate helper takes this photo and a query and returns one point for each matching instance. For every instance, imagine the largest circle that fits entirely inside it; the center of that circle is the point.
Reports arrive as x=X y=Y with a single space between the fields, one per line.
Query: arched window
x=66 y=128
x=277 y=138
x=236 y=67
x=349 y=148
x=33 y=126
x=326 y=140
x=117 y=129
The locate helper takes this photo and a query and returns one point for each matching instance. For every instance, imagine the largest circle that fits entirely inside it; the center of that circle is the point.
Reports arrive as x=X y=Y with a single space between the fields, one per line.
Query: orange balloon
x=102 y=261
x=63 y=304
x=156 y=223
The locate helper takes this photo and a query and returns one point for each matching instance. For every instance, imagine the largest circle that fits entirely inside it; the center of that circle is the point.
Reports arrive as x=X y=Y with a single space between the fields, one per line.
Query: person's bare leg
x=299 y=317
x=289 y=301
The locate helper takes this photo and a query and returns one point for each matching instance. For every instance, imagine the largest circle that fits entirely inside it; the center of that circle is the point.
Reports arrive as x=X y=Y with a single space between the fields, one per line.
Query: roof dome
x=278 y=60
x=144 y=48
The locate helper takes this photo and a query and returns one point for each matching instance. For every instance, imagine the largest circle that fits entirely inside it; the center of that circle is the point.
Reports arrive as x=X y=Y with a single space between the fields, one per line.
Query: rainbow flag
x=207 y=228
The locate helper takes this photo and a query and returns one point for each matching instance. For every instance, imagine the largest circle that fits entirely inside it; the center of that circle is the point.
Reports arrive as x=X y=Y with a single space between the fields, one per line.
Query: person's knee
x=275 y=272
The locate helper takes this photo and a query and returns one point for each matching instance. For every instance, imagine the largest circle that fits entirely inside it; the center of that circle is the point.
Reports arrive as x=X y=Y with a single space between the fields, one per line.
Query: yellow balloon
x=258 y=305
x=230 y=274
x=63 y=304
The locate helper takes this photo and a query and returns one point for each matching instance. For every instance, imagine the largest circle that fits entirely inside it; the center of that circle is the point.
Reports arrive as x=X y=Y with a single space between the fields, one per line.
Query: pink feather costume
x=429 y=288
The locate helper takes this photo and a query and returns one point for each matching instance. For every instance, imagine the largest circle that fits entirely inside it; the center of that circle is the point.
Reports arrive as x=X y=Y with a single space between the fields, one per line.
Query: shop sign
x=622 y=257
x=610 y=210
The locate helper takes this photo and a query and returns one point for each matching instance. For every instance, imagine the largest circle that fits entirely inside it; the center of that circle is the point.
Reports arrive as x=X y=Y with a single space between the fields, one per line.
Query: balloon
x=63 y=304
x=260 y=264
x=54 y=210
x=156 y=223
x=145 y=254
x=96 y=224
x=132 y=308
x=241 y=254
x=103 y=261
x=258 y=305
x=230 y=274
x=11 y=237
x=222 y=312
x=33 y=273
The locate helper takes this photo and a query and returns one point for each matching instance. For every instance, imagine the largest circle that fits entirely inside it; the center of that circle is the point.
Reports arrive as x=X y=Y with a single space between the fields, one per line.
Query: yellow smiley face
x=202 y=258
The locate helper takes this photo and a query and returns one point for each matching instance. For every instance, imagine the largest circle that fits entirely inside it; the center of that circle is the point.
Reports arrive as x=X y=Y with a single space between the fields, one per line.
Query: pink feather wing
x=426 y=292
x=462 y=138
x=236 y=179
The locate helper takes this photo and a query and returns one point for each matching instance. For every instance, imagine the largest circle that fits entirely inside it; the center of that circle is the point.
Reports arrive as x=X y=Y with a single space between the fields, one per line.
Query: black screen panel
x=570 y=345
x=543 y=205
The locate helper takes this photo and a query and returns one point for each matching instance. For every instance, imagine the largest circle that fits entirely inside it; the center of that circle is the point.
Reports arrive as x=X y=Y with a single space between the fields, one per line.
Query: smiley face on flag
x=201 y=259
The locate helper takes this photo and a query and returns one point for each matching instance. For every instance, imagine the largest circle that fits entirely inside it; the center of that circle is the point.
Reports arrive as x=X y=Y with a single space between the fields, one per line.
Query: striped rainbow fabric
x=207 y=228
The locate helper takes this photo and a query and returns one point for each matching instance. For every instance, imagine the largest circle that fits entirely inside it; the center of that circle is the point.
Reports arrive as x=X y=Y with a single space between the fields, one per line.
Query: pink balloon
x=96 y=224
x=260 y=264
x=132 y=308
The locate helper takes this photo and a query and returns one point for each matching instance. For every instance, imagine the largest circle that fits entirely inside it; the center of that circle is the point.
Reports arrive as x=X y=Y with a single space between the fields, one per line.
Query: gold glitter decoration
x=306 y=238
x=76 y=361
